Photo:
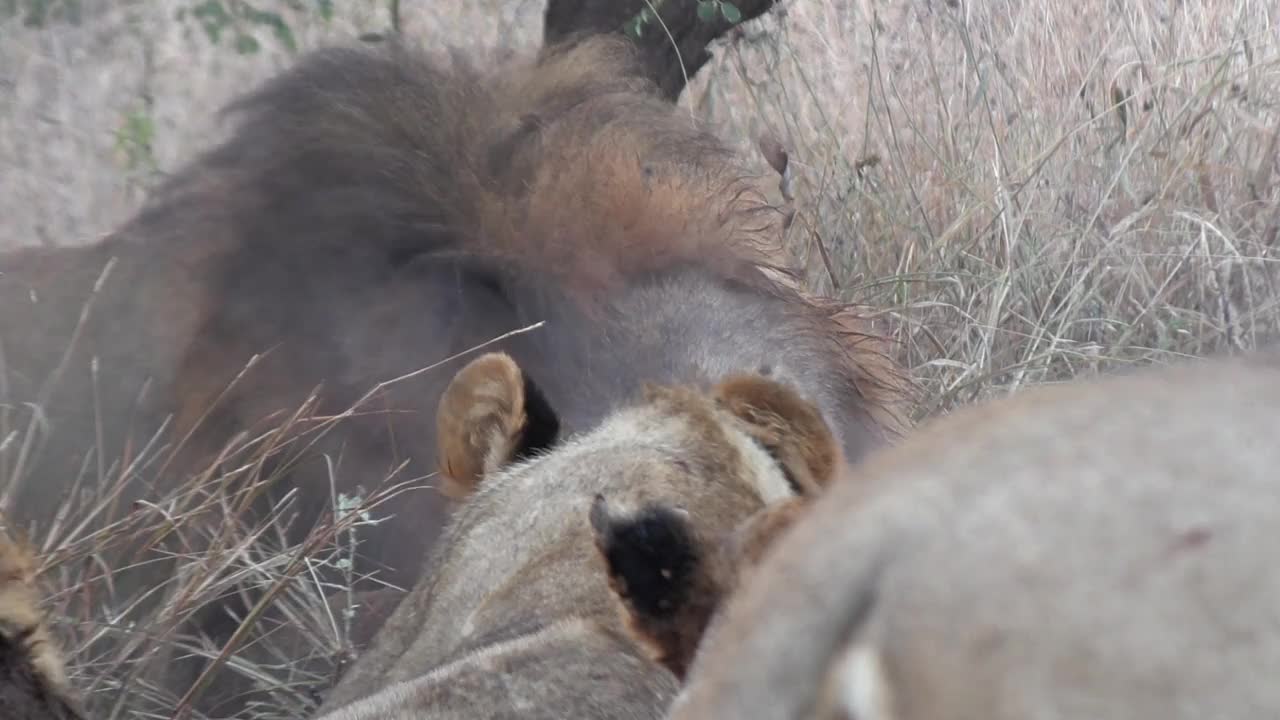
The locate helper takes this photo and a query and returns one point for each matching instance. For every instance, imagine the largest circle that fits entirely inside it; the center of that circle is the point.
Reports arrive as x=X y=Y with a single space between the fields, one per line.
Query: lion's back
x=1099 y=549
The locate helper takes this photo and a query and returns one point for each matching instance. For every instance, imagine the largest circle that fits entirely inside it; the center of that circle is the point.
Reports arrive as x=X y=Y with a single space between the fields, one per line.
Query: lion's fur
x=1101 y=549
x=517 y=586
x=375 y=212
x=671 y=576
x=669 y=571
x=33 y=680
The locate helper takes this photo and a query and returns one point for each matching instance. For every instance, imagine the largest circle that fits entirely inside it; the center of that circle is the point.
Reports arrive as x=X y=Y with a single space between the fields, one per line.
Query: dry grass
x=1030 y=190
x=1034 y=190
x=301 y=595
x=307 y=584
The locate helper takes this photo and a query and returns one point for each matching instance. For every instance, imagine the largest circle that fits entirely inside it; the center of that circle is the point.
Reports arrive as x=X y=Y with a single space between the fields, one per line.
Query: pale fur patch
x=765 y=474
x=857 y=688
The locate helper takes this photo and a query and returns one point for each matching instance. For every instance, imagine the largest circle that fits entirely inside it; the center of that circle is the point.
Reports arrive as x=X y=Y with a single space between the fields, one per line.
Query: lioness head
x=552 y=532
x=751 y=448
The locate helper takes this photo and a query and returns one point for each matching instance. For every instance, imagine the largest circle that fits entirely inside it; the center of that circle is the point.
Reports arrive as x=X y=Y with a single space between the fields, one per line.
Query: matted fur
x=33 y=681
x=1101 y=549
x=375 y=212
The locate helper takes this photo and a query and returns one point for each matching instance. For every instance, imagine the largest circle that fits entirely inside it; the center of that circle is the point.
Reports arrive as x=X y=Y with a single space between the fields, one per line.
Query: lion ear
x=785 y=424
x=490 y=416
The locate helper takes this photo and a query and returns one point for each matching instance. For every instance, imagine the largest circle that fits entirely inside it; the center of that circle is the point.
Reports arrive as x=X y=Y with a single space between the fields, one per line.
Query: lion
x=1102 y=548
x=518 y=612
x=375 y=216
x=33 y=678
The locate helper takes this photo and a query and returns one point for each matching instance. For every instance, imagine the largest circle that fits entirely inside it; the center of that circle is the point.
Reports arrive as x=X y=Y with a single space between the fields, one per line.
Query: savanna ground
x=1027 y=190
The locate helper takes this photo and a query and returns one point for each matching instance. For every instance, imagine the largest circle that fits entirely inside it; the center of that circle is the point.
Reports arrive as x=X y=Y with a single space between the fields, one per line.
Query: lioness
x=33 y=682
x=1101 y=549
x=516 y=616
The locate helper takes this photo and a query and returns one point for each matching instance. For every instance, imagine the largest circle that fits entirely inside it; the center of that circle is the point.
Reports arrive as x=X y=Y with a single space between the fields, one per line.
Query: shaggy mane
x=573 y=167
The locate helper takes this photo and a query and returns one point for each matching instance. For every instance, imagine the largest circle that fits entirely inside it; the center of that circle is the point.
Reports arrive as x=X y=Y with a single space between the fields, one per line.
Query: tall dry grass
x=1032 y=190
x=1029 y=191
x=299 y=599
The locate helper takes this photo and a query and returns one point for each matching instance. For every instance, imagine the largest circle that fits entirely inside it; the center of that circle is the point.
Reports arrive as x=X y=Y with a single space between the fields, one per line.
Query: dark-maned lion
x=1103 y=549
x=517 y=617
x=33 y=682
x=372 y=214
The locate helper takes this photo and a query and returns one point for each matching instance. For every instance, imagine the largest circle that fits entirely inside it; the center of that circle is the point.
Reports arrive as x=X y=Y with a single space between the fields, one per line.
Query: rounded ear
x=490 y=416
x=789 y=427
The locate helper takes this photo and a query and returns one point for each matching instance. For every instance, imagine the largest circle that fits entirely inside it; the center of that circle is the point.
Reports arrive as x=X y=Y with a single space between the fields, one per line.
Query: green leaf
x=706 y=10
x=730 y=12
x=134 y=139
x=246 y=44
x=213 y=18
x=326 y=8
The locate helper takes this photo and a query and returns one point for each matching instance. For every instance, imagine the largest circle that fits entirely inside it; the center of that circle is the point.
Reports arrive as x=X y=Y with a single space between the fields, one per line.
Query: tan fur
x=517 y=587
x=1100 y=549
x=33 y=679
x=20 y=616
x=669 y=621
x=787 y=425
x=673 y=640
x=669 y=640
x=743 y=550
x=480 y=418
